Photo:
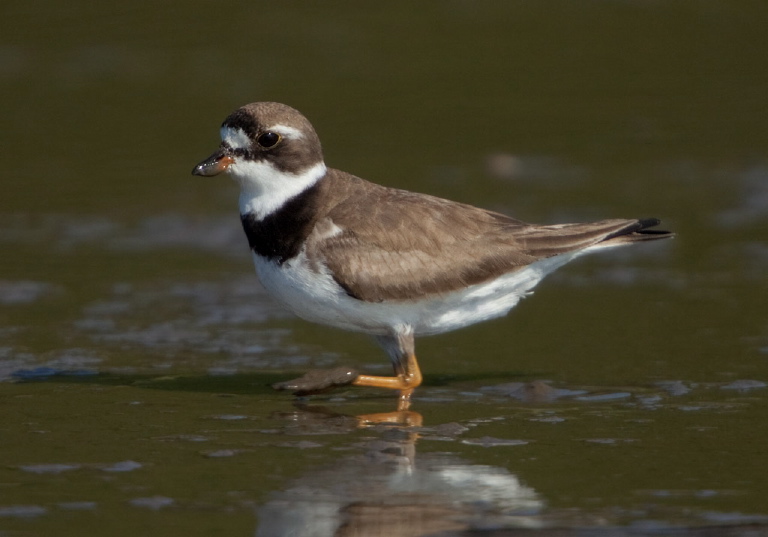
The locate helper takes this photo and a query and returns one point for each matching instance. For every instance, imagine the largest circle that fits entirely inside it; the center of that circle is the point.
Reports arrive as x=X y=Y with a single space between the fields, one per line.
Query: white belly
x=318 y=298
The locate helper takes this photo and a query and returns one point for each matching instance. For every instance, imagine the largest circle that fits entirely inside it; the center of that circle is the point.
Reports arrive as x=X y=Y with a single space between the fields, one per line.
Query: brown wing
x=398 y=245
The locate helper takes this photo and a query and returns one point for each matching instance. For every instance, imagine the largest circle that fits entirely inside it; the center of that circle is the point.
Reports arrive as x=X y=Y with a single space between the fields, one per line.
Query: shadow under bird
x=338 y=250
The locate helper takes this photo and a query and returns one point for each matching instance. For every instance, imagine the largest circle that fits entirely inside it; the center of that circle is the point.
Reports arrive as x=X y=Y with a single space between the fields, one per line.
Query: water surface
x=628 y=395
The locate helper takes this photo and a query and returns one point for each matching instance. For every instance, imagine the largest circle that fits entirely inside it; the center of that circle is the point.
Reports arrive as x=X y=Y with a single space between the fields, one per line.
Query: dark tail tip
x=646 y=223
x=639 y=230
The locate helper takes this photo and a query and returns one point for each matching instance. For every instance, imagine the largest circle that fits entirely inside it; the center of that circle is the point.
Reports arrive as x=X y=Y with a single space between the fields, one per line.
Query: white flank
x=264 y=189
x=315 y=296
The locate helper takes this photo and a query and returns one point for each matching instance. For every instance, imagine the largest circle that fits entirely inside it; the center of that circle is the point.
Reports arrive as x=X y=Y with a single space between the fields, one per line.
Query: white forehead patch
x=285 y=131
x=235 y=138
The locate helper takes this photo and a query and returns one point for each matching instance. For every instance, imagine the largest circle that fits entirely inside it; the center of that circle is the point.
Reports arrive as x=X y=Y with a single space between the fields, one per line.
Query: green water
x=136 y=347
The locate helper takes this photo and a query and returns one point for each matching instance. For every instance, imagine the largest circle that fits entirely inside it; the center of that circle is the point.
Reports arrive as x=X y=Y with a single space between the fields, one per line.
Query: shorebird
x=341 y=251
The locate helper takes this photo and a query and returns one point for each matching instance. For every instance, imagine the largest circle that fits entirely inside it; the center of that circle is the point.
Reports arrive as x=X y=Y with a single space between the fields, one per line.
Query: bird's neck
x=279 y=236
x=264 y=189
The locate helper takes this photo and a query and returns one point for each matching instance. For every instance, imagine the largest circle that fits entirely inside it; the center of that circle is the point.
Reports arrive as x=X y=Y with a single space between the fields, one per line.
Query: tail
x=552 y=240
x=636 y=231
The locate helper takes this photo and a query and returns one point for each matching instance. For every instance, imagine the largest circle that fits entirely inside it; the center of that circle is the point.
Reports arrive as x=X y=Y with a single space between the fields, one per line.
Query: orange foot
x=408 y=378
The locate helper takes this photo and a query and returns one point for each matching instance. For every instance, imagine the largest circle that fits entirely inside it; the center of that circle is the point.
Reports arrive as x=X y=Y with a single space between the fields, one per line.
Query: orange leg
x=408 y=377
x=399 y=345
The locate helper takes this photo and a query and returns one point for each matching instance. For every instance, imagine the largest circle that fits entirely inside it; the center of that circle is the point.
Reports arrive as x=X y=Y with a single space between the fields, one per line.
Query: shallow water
x=627 y=396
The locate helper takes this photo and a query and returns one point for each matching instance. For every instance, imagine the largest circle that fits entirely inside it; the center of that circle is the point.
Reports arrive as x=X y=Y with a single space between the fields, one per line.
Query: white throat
x=264 y=189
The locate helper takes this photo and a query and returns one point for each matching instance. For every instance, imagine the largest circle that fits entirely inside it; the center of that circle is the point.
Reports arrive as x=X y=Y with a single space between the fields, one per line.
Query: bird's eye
x=268 y=139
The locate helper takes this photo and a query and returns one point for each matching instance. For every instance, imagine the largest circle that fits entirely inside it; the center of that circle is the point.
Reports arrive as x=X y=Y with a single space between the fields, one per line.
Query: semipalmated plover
x=338 y=250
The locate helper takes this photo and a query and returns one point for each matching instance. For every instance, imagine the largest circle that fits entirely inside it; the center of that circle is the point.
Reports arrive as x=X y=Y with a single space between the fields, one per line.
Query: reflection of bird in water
x=341 y=251
x=391 y=491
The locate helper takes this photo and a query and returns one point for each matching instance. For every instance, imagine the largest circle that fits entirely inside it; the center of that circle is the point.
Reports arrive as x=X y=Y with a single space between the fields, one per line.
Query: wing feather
x=398 y=245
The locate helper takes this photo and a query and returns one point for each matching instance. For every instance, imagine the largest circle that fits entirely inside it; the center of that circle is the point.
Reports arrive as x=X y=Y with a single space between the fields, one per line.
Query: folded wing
x=406 y=246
